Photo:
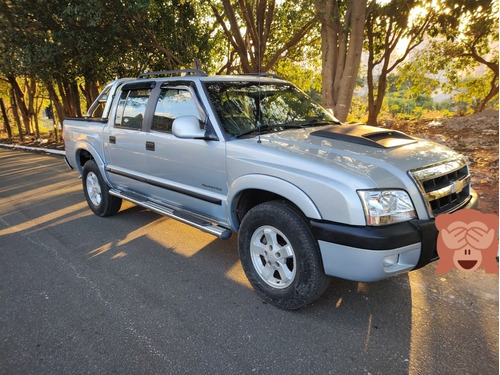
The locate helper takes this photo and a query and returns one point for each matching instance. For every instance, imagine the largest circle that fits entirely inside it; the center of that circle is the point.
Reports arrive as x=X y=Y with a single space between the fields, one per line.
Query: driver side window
x=173 y=103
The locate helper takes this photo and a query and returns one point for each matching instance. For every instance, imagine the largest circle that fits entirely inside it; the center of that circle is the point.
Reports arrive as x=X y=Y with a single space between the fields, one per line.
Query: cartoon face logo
x=467 y=241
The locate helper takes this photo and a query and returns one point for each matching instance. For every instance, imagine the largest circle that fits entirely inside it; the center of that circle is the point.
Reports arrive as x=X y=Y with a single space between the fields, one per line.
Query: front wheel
x=280 y=255
x=97 y=191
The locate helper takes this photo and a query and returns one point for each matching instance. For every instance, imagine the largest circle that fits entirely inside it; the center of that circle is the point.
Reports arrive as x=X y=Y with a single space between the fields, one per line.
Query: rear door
x=187 y=173
x=125 y=141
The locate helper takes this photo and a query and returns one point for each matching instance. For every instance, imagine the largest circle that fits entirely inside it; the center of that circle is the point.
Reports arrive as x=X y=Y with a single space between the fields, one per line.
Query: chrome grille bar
x=445 y=186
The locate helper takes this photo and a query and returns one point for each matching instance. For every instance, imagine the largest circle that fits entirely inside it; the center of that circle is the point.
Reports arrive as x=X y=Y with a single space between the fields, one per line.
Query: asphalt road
x=138 y=293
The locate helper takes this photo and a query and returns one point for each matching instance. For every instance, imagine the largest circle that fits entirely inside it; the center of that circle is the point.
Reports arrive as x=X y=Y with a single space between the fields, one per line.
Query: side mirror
x=188 y=127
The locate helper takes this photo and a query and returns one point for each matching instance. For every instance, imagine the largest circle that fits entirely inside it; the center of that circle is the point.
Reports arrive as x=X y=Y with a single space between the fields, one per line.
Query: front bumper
x=371 y=253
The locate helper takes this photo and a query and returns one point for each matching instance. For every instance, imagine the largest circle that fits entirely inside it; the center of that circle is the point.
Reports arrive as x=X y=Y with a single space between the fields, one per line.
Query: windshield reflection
x=249 y=107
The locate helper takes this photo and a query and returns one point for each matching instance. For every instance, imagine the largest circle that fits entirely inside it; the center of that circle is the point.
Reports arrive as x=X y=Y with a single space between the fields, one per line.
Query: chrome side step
x=182 y=216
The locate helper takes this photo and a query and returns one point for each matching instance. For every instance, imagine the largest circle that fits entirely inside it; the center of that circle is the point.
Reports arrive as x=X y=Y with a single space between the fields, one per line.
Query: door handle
x=112 y=139
x=150 y=146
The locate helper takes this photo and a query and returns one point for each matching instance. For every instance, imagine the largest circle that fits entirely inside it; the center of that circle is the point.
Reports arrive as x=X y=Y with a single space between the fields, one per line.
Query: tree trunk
x=375 y=105
x=75 y=97
x=39 y=102
x=20 y=103
x=491 y=94
x=342 y=44
x=5 y=119
x=91 y=92
x=248 y=29
x=16 y=114
x=328 y=59
x=370 y=80
x=376 y=92
x=31 y=84
x=385 y=28
x=353 y=60
x=55 y=100
x=65 y=94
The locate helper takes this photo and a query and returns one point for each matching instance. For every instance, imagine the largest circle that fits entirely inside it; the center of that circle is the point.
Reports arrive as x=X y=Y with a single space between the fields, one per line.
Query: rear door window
x=131 y=108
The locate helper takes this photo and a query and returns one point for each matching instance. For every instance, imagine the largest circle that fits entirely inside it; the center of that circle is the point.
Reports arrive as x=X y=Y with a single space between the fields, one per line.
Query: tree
x=387 y=26
x=260 y=32
x=75 y=46
x=5 y=119
x=35 y=37
x=472 y=46
x=465 y=42
x=165 y=35
x=342 y=27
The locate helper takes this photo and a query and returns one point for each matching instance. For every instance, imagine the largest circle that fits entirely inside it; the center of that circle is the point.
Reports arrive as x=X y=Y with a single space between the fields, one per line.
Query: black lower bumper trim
x=383 y=237
x=367 y=237
x=428 y=234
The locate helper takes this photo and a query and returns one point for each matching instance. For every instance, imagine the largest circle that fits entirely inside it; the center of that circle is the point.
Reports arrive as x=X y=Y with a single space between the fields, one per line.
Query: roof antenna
x=259 y=114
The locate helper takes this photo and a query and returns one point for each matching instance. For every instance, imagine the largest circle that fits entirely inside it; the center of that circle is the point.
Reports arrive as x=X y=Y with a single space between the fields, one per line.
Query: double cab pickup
x=308 y=196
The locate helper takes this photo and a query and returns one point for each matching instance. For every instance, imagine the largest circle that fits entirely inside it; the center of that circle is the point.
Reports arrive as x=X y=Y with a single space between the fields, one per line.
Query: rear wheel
x=280 y=255
x=97 y=191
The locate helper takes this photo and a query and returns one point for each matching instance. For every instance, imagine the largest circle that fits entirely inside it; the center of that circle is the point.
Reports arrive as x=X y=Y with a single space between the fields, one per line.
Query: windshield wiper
x=289 y=125
x=267 y=128
x=256 y=130
x=317 y=122
x=307 y=123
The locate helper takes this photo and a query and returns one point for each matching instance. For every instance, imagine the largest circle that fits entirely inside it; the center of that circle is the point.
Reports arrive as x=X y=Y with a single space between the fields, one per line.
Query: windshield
x=244 y=107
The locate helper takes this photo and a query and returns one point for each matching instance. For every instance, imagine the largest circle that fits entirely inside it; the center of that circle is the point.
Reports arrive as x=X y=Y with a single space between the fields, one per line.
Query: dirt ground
x=476 y=136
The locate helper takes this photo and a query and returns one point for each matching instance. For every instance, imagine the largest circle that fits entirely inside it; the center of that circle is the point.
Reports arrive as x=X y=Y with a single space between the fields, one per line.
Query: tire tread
x=110 y=204
x=310 y=280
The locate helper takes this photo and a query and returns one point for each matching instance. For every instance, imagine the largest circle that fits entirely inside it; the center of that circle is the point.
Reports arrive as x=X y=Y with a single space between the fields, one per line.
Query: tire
x=97 y=191
x=280 y=256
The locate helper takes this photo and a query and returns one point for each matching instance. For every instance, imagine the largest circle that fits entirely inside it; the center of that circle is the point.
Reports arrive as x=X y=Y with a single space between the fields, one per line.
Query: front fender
x=273 y=185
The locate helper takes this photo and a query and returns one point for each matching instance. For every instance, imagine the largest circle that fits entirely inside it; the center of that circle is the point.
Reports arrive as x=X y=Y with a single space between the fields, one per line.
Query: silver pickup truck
x=308 y=196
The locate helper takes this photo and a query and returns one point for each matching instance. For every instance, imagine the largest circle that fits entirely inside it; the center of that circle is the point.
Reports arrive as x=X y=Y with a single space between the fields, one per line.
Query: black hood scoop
x=366 y=135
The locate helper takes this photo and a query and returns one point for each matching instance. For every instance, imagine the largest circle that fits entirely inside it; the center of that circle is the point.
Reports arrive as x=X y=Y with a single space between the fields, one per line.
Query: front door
x=188 y=173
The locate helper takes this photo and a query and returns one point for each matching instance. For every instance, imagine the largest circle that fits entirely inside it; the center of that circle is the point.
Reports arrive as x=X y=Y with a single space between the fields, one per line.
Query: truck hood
x=367 y=152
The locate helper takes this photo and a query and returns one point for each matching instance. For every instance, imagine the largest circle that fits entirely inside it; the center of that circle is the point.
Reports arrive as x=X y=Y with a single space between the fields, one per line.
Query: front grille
x=445 y=186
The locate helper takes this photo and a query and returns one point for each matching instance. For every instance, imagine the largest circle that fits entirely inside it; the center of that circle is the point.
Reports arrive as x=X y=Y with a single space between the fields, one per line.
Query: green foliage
x=403 y=103
x=90 y=42
x=472 y=89
x=4 y=89
x=99 y=39
x=390 y=26
x=258 y=34
x=358 y=111
x=303 y=70
x=462 y=59
x=289 y=18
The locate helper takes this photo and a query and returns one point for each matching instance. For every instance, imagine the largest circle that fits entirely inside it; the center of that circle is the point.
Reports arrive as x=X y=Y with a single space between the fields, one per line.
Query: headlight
x=386 y=206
